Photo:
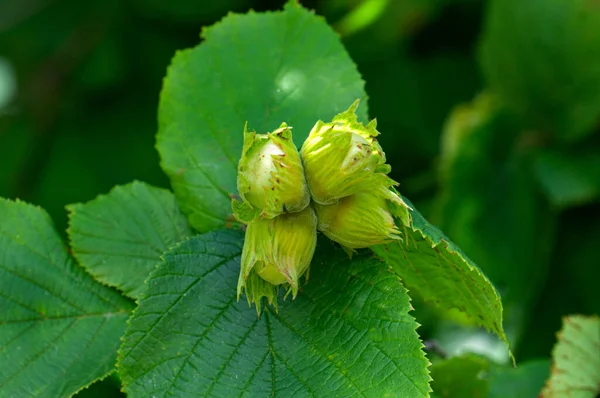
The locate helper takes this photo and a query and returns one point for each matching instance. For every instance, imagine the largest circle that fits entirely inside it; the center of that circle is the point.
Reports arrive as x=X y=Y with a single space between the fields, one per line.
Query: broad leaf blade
x=430 y=264
x=347 y=333
x=59 y=329
x=265 y=69
x=119 y=237
x=576 y=359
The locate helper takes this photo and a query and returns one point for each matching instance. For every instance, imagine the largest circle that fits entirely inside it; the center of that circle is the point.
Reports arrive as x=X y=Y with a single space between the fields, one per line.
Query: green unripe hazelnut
x=358 y=221
x=343 y=158
x=278 y=251
x=270 y=174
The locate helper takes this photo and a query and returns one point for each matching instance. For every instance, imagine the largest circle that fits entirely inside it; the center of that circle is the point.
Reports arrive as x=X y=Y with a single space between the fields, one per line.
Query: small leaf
x=576 y=359
x=460 y=377
x=263 y=68
x=119 y=237
x=59 y=329
x=431 y=265
x=347 y=333
x=541 y=57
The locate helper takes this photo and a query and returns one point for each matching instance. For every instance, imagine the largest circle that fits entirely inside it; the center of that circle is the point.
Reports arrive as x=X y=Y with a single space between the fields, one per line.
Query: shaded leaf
x=571 y=285
x=286 y=66
x=119 y=237
x=490 y=205
x=541 y=58
x=59 y=329
x=524 y=381
x=347 y=333
x=460 y=377
x=470 y=376
x=576 y=359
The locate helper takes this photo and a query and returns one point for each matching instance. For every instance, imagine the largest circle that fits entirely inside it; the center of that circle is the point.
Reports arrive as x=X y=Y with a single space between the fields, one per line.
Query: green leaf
x=264 y=68
x=524 y=381
x=470 y=376
x=120 y=237
x=59 y=329
x=431 y=265
x=347 y=333
x=541 y=57
x=576 y=359
x=490 y=205
x=569 y=179
x=459 y=377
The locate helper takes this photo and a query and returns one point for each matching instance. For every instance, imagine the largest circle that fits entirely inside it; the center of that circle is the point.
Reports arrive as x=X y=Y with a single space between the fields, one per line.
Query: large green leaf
x=541 y=57
x=576 y=359
x=490 y=205
x=120 y=237
x=347 y=333
x=265 y=69
x=431 y=265
x=59 y=329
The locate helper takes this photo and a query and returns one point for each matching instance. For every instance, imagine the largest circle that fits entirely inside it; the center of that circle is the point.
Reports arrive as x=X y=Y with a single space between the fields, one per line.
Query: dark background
x=79 y=87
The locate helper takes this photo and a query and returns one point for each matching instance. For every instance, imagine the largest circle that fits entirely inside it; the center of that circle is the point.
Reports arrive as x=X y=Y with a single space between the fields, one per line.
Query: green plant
x=169 y=261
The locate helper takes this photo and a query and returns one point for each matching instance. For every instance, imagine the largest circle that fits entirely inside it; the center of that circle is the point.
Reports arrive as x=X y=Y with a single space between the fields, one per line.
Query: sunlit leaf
x=263 y=68
x=119 y=237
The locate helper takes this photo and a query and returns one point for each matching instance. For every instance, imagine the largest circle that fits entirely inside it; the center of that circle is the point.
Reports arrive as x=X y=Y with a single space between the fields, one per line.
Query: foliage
x=475 y=376
x=59 y=328
x=118 y=238
x=349 y=325
x=506 y=165
x=575 y=359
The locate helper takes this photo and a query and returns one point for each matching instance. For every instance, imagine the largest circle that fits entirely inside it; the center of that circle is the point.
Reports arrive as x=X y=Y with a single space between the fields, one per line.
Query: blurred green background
x=488 y=111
